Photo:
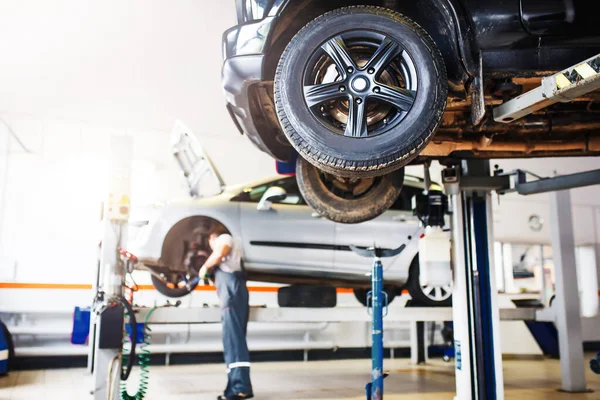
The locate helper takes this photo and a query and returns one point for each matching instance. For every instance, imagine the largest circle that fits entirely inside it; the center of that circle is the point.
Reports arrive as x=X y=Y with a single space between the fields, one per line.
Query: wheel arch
x=196 y=227
x=444 y=20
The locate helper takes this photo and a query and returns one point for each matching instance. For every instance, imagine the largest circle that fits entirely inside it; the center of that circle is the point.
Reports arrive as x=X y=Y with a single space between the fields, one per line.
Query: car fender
x=149 y=243
x=396 y=270
x=445 y=20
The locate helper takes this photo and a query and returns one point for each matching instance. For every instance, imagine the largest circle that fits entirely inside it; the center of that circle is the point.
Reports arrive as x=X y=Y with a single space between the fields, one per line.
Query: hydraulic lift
x=474 y=300
x=476 y=314
x=107 y=324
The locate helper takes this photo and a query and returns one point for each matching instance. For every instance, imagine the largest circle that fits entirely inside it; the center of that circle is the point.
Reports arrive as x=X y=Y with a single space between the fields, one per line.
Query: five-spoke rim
x=360 y=83
x=437 y=292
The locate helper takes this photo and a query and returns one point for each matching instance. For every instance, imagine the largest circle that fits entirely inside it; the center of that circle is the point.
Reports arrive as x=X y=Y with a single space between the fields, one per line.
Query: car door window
x=254 y=194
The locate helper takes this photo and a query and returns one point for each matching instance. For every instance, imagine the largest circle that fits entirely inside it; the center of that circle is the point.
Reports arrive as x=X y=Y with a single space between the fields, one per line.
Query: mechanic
x=230 y=280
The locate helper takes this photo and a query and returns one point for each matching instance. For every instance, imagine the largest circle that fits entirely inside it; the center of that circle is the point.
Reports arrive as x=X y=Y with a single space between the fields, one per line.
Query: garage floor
x=295 y=380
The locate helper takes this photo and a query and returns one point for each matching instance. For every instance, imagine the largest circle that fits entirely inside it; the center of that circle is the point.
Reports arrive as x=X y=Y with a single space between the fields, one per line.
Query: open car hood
x=193 y=160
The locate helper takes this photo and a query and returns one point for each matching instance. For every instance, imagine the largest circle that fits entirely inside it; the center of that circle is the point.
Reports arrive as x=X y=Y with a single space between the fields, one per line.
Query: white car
x=282 y=238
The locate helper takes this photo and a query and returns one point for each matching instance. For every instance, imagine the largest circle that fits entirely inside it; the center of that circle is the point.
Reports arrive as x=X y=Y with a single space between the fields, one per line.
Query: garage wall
x=512 y=211
x=134 y=64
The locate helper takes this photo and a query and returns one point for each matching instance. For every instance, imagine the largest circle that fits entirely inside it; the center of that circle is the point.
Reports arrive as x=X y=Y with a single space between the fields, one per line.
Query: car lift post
x=567 y=303
x=475 y=308
x=476 y=315
x=109 y=327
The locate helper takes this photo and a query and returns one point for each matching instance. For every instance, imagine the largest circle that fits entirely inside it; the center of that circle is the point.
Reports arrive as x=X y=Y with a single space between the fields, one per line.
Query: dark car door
x=574 y=18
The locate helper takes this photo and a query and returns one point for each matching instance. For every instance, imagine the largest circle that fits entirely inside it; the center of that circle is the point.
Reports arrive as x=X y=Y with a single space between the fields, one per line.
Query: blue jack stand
x=595 y=364
x=377 y=299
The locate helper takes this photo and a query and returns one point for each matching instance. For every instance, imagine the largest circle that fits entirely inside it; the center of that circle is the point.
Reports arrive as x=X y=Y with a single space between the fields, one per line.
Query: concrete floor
x=295 y=380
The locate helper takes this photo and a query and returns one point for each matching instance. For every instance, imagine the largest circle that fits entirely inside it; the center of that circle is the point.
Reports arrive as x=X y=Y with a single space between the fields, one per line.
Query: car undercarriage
x=563 y=130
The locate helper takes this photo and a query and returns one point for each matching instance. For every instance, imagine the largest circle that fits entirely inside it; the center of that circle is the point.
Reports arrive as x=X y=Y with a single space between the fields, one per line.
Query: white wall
x=512 y=211
x=72 y=74
x=127 y=63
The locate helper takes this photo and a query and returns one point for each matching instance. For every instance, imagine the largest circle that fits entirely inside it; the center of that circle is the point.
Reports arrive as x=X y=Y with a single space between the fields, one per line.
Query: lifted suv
x=359 y=91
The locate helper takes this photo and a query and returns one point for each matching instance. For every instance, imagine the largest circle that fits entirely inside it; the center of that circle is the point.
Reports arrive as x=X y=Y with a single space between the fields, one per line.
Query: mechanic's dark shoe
x=241 y=396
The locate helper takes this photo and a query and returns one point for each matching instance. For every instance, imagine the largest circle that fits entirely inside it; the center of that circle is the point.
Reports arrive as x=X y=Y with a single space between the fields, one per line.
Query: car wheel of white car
x=175 y=284
x=361 y=295
x=347 y=200
x=173 y=289
x=427 y=295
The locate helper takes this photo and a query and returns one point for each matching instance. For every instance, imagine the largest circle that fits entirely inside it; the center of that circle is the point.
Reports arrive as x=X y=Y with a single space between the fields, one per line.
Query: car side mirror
x=273 y=194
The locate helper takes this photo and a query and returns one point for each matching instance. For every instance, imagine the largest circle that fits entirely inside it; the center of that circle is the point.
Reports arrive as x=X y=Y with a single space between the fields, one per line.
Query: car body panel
x=289 y=243
x=286 y=236
x=575 y=18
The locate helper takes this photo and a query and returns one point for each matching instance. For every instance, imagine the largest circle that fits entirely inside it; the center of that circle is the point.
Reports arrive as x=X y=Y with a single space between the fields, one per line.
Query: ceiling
x=133 y=64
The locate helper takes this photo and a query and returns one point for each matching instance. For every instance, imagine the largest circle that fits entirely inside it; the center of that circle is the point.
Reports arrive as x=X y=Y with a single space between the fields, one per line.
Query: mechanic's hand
x=203 y=274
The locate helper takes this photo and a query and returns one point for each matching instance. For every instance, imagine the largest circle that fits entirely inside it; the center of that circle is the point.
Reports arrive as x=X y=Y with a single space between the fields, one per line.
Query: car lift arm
x=564 y=86
x=516 y=181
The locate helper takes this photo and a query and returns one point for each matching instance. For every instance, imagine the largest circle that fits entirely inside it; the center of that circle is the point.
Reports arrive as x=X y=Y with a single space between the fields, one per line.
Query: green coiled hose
x=143 y=362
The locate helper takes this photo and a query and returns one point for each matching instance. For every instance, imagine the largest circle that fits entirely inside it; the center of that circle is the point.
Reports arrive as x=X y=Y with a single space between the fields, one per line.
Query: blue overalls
x=233 y=294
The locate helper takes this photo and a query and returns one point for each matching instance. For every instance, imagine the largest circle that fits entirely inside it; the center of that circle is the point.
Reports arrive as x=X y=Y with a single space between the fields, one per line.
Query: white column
x=566 y=303
x=4 y=160
x=114 y=223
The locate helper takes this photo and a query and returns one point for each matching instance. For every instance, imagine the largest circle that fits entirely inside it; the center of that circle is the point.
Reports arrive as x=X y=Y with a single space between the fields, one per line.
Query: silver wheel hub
x=360 y=84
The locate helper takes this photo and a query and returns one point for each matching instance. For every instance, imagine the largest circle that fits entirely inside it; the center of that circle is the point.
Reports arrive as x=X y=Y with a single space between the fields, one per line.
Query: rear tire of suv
x=360 y=91
x=347 y=200
x=307 y=296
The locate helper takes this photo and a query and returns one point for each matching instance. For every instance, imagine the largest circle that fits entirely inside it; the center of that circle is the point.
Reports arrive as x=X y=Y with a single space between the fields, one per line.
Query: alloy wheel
x=360 y=83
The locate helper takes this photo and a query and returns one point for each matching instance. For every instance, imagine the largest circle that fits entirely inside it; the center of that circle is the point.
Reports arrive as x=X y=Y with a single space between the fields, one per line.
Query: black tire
x=175 y=289
x=11 y=347
x=307 y=296
x=416 y=291
x=321 y=196
x=365 y=156
x=361 y=295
